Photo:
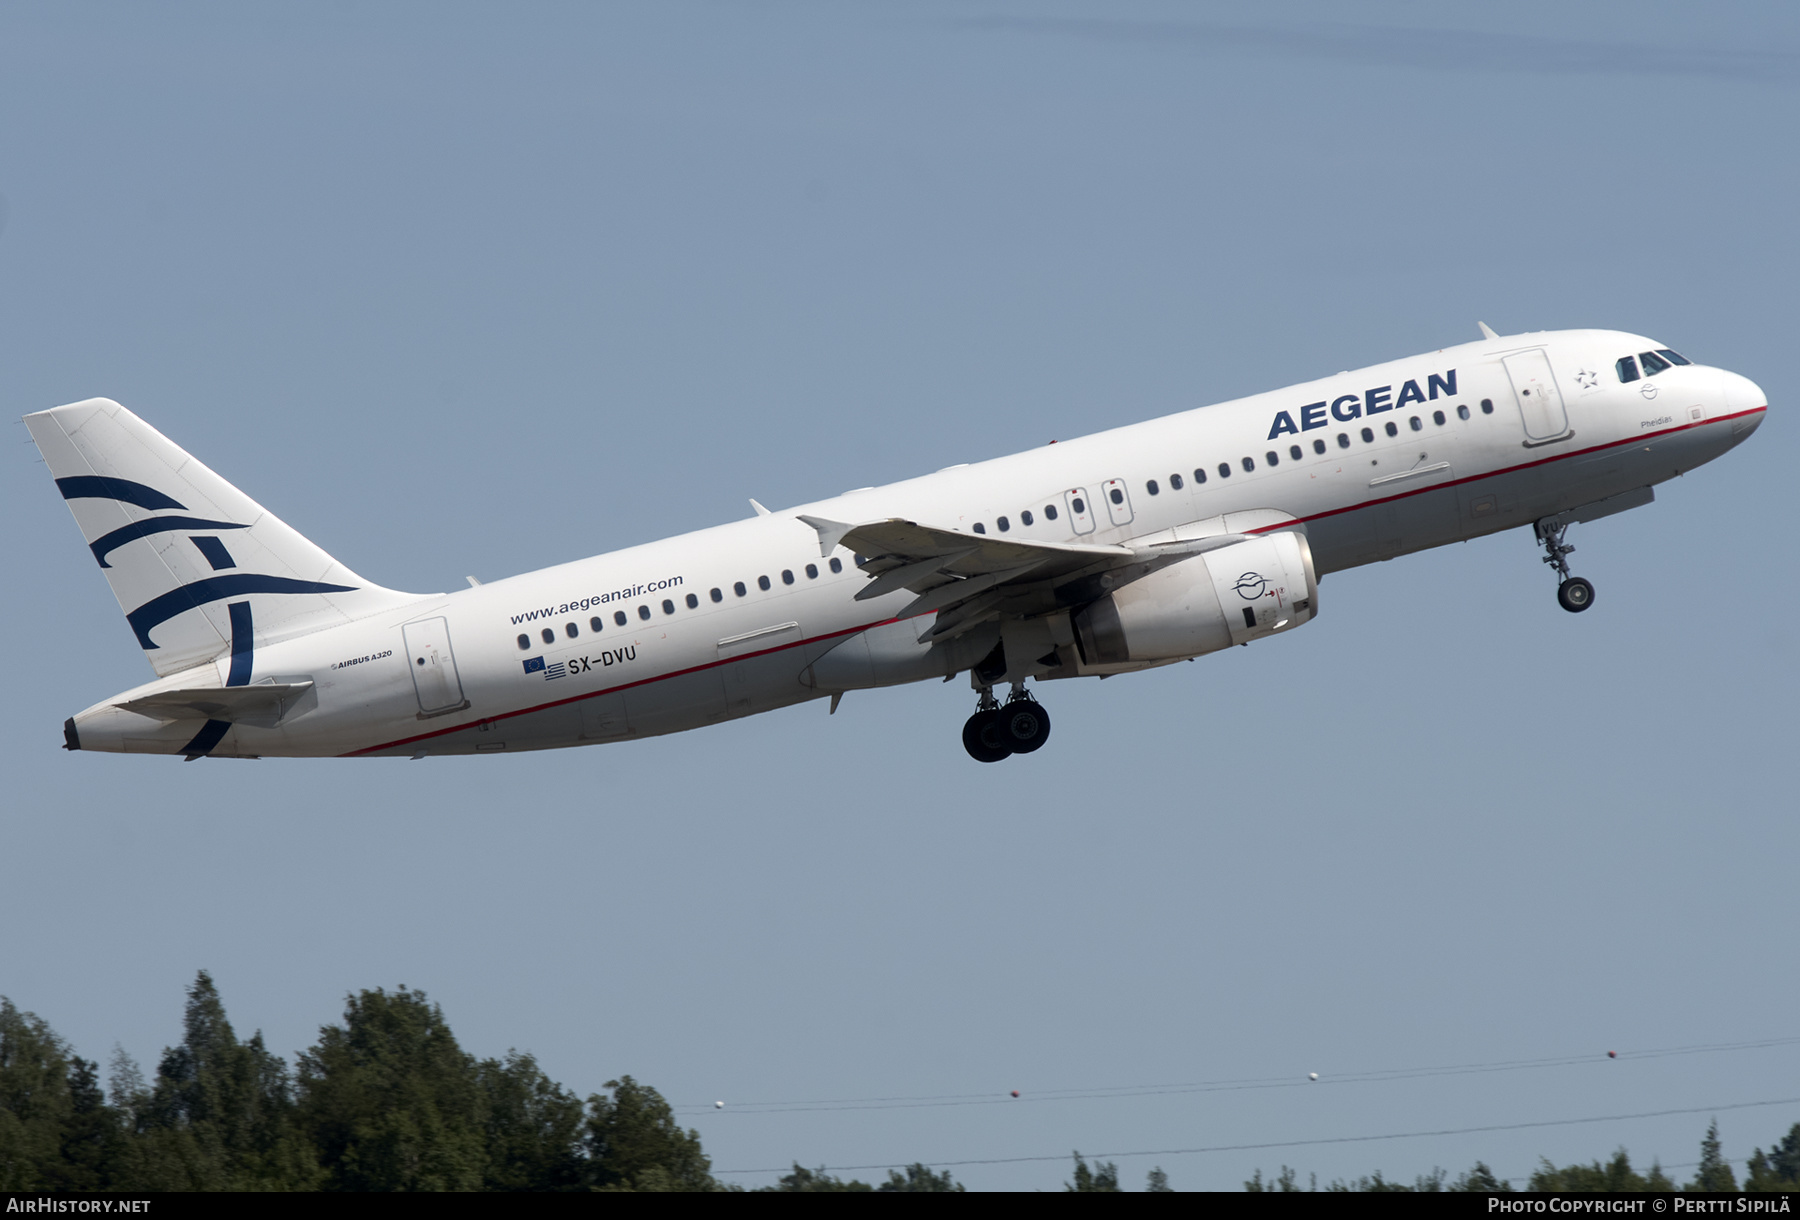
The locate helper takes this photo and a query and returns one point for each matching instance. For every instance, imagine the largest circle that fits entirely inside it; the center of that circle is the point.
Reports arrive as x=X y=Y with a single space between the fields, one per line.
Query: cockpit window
x=1672 y=357
x=1653 y=363
x=1627 y=367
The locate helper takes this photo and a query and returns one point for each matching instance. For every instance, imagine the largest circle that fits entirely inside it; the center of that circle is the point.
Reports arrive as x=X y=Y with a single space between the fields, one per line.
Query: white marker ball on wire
x=1312 y=1075
x=718 y=1105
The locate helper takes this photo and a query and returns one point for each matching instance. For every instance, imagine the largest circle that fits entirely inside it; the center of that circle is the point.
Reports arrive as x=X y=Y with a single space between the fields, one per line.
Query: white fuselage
x=1411 y=459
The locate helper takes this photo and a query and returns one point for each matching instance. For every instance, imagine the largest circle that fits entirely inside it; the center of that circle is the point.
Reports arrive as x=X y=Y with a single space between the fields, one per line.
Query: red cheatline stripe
x=594 y=694
x=1494 y=474
x=1560 y=457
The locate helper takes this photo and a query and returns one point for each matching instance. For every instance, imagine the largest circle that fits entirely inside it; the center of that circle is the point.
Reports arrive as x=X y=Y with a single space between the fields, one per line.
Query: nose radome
x=1742 y=394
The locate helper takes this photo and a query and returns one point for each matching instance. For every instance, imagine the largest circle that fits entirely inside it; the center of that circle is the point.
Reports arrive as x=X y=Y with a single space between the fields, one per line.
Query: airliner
x=1133 y=548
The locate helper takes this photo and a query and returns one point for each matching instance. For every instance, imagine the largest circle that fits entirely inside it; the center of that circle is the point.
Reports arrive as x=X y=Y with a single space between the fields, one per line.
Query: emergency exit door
x=433 y=667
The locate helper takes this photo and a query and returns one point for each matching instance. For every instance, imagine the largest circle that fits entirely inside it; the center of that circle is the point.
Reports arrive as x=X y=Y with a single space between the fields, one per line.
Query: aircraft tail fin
x=199 y=568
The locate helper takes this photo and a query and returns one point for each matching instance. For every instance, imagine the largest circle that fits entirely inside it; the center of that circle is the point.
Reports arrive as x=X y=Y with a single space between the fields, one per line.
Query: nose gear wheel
x=1574 y=593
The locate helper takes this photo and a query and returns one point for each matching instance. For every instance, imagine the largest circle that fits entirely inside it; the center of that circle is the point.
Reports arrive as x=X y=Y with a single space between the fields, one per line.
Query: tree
x=1282 y=1183
x=1480 y=1180
x=389 y=1101
x=1099 y=1178
x=1779 y=1169
x=634 y=1143
x=531 y=1127
x=1377 y=1184
x=34 y=1100
x=1614 y=1177
x=1714 y=1173
x=1158 y=1183
x=220 y=1114
x=813 y=1181
x=919 y=1178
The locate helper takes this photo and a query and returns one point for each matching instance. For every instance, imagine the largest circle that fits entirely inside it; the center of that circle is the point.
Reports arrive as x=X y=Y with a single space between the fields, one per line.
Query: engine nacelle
x=1213 y=600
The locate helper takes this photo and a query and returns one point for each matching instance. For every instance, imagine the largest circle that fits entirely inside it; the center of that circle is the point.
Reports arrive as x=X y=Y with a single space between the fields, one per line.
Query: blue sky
x=456 y=289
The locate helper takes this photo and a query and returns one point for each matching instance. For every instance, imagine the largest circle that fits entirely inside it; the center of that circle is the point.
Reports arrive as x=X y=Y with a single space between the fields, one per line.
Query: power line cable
x=1307 y=1143
x=1379 y=1075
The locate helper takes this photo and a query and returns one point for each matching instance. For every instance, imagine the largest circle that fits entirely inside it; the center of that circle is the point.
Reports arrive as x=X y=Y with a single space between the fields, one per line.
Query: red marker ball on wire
x=1015 y=1092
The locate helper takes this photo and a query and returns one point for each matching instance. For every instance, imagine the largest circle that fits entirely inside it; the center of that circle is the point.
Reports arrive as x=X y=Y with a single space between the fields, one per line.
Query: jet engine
x=1232 y=595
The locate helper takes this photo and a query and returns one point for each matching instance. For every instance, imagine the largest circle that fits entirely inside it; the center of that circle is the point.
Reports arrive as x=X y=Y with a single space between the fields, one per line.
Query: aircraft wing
x=964 y=578
x=969 y=578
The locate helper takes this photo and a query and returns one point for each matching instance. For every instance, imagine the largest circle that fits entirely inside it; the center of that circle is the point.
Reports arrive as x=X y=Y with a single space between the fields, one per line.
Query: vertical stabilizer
x=199 y=568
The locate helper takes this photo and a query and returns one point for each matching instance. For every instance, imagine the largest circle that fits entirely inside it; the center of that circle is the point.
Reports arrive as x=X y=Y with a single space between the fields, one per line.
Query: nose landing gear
x=996 y=732
x=1575 y=593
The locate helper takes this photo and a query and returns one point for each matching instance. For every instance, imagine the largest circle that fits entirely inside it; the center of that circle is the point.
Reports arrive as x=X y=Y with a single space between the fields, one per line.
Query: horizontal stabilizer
x=230 y=703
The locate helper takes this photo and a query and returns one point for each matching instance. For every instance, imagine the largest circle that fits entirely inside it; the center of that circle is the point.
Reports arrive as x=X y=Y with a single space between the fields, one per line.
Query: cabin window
x=1462 y=411
x=668 y=606
x=571 y=630
x=549 y=635
x=1003 y=523
x=1025 y=517
x=1151 y=487
x=619 y=617
x=1271 y=457
x=1437 y=417
x=595 y=623
x=1368 y=436
x=524 y=643
x=644 y=613
x=979 y=528
x=1199 y=477
x=1487 y=406
x=1393 y=429
x=812 y=571
x=1673 y=357
x=693 y=603
x=717 y=594
x=1343 y=440
x=1295 y=452
x=1318 y=445
x=1117 y=496
x=1049 y=512
x=1653 y=363
x=1418 y=425
x=1174 y=482
x=837 y=565
x=1224 y=470
x=762 y=582
x=1078 y=505
x=739 y=589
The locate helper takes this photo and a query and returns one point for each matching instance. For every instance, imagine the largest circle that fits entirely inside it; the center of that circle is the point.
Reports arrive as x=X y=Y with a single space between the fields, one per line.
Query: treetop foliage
x=386 y=1100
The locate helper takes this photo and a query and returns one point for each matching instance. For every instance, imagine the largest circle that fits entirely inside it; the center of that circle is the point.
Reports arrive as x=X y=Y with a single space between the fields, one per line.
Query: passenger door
x=1540 y=402
x=433 y=666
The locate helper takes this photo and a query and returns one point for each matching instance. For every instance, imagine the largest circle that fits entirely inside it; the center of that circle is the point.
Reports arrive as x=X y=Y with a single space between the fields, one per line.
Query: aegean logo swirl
x=1250 y=586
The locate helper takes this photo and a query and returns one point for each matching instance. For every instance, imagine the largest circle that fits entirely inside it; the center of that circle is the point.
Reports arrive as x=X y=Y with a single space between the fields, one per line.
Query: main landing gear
x=996 y=730
x=1575 y=593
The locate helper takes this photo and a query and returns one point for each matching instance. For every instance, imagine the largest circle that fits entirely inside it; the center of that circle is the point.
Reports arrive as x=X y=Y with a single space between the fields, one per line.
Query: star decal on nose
x=1587 y=379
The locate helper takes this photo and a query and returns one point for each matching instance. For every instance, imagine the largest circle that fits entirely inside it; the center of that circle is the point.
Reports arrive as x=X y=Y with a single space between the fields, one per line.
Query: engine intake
x=1210 y=601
